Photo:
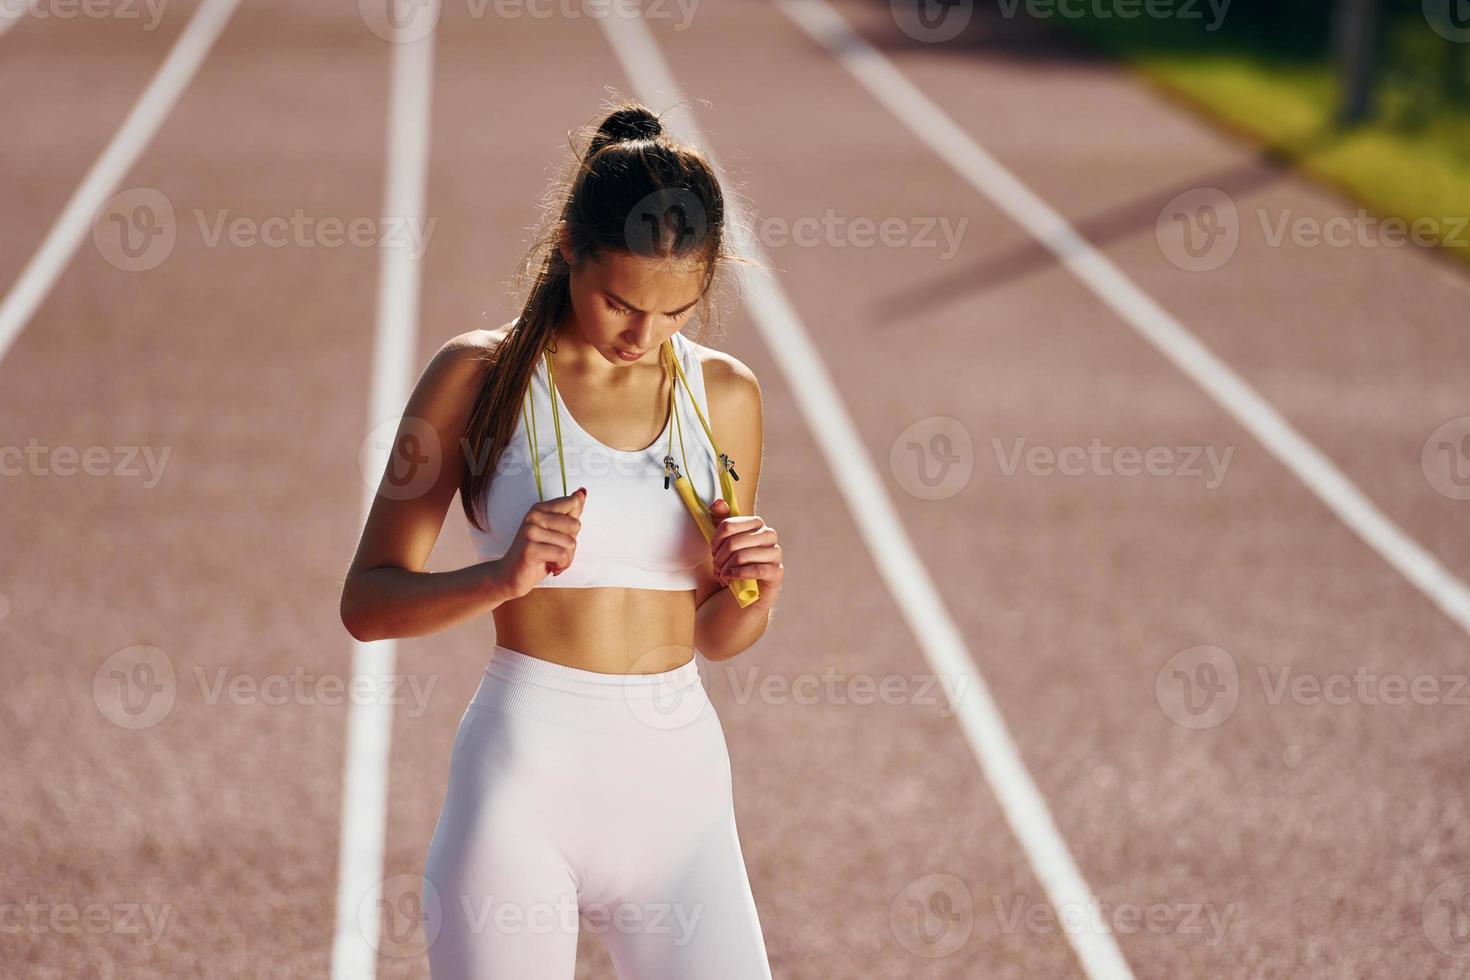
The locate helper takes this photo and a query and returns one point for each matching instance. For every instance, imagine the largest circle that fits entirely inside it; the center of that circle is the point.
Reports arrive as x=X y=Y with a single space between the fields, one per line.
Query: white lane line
x=11 y=11
x=152 y=107
x=893 y=553
x=1135 y=307
x=370 y=720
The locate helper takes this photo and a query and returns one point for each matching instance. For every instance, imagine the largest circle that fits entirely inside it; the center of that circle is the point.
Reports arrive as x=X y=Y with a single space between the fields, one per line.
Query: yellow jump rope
x=745 y=590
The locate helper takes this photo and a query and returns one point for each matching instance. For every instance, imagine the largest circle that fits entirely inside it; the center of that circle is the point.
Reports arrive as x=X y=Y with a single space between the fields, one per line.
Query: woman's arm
x=745 y=546
x=386 y=592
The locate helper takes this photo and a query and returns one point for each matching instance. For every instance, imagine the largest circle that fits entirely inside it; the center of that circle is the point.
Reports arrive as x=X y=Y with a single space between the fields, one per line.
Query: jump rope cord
x=674 y=360
x=530 y=419
x=531 y=432
x=745 y=591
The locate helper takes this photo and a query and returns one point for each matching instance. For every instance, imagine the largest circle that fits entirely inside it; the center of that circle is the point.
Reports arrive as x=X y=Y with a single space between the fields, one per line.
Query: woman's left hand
x=746 y=547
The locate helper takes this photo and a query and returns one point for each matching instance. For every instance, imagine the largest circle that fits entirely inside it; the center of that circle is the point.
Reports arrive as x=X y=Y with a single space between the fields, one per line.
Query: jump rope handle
x=745 y=590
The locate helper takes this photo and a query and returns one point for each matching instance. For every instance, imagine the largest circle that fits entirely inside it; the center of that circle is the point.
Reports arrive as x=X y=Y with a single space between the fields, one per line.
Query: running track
x=1292 y=837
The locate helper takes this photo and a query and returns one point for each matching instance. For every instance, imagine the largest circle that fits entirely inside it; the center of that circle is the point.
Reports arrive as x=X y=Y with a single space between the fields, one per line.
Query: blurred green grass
x=1277 y=85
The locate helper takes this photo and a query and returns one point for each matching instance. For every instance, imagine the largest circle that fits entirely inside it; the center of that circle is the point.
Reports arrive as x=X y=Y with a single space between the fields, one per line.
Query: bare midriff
x=610 y=630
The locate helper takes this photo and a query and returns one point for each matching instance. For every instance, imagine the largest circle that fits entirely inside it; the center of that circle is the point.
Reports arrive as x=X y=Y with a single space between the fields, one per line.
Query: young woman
x=589 y=779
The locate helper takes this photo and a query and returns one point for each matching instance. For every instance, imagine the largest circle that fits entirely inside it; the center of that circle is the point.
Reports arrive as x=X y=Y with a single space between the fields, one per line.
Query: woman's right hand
x=545 y=543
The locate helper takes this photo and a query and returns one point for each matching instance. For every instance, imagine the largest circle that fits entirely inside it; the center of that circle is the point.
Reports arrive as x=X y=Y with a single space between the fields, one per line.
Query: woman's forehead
x=650 y=284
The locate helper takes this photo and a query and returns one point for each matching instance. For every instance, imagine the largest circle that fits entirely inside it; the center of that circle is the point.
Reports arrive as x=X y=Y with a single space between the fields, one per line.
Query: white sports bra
x=636 y=532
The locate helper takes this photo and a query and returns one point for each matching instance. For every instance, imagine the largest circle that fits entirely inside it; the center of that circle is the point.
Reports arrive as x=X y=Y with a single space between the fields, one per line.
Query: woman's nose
x=641 y=335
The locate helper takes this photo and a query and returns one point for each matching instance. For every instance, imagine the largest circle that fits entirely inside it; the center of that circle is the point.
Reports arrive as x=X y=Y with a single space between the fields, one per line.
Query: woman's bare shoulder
x=733 y=395
x=726 y=377
x=466 y=354
x=475 y=343
x=455 y=372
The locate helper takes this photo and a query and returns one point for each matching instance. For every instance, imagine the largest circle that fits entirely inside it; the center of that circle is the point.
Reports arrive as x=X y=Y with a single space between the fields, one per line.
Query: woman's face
x=626 y=304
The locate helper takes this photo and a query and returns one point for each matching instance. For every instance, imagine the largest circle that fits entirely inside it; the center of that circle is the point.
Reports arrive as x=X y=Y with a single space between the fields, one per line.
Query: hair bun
x=631 y=122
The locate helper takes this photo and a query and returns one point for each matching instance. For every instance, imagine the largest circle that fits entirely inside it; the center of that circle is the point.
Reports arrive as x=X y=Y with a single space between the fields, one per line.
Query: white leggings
x=582 y=798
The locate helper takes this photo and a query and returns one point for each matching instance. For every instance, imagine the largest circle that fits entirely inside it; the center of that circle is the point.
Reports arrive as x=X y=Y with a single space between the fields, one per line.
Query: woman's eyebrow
x=615 y=296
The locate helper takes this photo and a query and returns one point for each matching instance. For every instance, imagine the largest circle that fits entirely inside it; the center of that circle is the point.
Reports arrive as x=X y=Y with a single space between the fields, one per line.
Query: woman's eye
x=624 y=311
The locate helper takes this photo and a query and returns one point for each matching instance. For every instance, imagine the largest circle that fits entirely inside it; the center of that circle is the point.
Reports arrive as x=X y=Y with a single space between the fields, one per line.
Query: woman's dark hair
x=633 y=190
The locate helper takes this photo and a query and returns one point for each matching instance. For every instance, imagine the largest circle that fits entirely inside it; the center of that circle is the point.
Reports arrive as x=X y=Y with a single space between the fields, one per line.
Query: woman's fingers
x=554 y=520
x=748 y=558
x=558 y=557
x=722 y=551
x=765 y=571
x=551 y=535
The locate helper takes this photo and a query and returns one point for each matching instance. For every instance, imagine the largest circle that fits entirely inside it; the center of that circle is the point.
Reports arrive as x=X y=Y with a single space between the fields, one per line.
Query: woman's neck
x=584 y=361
